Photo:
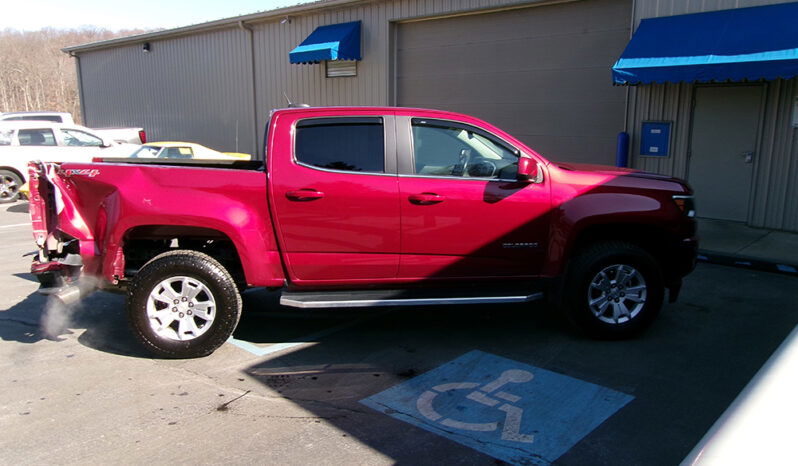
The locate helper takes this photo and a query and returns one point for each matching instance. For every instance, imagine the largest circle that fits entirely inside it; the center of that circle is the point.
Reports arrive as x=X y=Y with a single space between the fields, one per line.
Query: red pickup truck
x=362 y=207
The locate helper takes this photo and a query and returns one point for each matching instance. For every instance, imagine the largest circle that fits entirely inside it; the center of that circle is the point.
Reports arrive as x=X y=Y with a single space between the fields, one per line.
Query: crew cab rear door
x=335 y=195
x=464 y=213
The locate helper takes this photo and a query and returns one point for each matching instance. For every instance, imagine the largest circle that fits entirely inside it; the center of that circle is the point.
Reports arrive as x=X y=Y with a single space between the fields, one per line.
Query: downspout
x=622 y=151
x=628 y=88
x=80 y=88
x=253 y=90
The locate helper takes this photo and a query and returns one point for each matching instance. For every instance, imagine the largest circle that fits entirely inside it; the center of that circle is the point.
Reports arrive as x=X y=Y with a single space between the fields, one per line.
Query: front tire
x=613 y=290
x=10 y=183
x=183 y=304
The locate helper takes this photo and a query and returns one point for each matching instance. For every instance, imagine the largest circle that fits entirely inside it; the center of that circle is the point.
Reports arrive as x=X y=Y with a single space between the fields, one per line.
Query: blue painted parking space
x=506 y=409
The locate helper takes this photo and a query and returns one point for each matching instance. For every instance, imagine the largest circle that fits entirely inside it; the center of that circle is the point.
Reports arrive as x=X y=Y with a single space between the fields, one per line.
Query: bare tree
x=36 y=75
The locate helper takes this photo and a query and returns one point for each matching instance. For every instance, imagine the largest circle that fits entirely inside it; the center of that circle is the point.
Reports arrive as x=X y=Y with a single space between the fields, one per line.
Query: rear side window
x=36 y=137
x=176 y=153
x=347 y=143
x=5 y=137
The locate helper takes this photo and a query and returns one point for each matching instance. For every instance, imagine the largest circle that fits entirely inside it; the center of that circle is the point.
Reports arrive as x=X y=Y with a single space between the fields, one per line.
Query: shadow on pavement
x=100 y=314
x=682 y=373
x=26 y=276
x=18 y=208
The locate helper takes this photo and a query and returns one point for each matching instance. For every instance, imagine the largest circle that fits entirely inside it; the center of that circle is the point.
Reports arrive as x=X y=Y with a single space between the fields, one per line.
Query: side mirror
x=107 y=143
x=527 y=169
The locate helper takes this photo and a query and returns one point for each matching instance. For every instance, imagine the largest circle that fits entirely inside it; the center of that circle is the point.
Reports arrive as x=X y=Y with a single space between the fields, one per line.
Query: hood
x=613 y=171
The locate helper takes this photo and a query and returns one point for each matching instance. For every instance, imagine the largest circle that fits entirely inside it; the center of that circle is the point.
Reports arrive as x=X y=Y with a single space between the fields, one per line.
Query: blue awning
x=331 y=42
x=744 y=44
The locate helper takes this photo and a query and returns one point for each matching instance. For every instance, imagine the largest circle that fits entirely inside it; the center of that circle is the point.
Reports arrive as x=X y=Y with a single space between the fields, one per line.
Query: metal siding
x=662 y=102
x=194 y=88
x=774 y=201
x=655 y=8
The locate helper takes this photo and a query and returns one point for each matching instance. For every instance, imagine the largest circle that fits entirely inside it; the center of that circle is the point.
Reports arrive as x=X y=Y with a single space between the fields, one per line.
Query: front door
x=463 y=212
x=723 y=149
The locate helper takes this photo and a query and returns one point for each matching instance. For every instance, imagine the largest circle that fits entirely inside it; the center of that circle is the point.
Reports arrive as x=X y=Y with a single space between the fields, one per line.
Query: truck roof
x=36 y=124
x=64 y=117
x=374 y=109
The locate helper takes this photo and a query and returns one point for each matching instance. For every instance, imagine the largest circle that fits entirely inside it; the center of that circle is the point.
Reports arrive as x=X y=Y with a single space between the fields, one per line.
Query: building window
x=340 y=68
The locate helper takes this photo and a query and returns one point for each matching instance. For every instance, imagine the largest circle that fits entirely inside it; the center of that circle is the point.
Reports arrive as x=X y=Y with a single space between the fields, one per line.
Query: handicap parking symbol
x=506 y=409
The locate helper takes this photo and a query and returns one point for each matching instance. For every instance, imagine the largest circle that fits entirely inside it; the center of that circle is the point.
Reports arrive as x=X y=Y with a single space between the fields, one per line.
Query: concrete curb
x=753 y=263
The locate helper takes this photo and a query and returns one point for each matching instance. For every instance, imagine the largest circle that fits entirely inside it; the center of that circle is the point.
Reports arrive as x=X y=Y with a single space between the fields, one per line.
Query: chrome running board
x=373 y=299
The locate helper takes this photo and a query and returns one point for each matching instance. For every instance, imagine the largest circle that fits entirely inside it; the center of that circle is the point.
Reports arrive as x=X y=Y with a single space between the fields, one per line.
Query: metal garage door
x=541 y=73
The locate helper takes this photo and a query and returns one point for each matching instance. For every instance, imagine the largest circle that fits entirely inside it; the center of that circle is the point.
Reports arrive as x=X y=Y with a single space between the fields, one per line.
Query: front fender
x=571 y=219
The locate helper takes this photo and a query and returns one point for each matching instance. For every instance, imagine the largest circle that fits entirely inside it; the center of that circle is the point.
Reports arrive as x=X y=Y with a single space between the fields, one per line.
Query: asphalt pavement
x=480 y=384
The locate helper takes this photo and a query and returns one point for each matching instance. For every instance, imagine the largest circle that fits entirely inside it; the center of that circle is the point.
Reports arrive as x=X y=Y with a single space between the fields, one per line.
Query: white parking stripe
x=307 y=340
x=16 y=225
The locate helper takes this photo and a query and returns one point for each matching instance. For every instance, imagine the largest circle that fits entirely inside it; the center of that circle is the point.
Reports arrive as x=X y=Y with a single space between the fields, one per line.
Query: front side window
x=347 y=143
x=442 y=148
x=75 y=138
x=36 y=137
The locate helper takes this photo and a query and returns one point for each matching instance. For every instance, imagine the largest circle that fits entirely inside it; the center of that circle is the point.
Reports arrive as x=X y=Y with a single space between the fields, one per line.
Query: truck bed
x=205 y=163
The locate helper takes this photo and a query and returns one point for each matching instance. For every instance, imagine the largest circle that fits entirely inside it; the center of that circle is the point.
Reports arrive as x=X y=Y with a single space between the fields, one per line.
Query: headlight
x=686 y=204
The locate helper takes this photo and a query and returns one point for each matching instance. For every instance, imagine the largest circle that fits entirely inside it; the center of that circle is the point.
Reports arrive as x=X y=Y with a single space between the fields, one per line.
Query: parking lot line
x=16 y=225
x=306 y=340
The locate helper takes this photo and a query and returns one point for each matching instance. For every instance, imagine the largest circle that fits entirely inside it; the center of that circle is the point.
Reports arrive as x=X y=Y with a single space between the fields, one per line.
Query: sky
x=31 y=15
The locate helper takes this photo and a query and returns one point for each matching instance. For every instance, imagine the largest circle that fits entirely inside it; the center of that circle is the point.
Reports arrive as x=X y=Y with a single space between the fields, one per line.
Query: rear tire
x=10 y=183
x=613 y=290
x=183 y=304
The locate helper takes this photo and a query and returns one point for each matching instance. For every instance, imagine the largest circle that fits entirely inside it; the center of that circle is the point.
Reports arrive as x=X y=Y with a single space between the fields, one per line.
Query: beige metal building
x=539 y=69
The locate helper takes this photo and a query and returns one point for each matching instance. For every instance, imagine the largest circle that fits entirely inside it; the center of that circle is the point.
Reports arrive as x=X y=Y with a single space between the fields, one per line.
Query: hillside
x=36 y=75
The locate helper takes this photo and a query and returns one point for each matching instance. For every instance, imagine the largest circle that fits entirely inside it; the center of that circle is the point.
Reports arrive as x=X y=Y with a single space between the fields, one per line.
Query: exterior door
x=539 y=73
x=723 y=149
x=463 y=212
x=336 y=202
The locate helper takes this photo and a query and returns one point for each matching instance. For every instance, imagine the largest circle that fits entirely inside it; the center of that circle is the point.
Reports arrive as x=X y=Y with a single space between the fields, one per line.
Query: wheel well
x=142 y=243
x=650 y=238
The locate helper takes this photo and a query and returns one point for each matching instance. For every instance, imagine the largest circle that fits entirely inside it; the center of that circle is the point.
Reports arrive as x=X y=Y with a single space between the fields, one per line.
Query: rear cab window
x=351 y=144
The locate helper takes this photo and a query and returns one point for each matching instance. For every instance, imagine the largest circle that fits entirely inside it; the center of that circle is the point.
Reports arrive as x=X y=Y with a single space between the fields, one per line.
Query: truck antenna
x=292 y=104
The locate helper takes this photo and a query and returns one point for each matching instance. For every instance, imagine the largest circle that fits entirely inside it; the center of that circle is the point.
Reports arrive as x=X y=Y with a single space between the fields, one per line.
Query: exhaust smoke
x=62 y=305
